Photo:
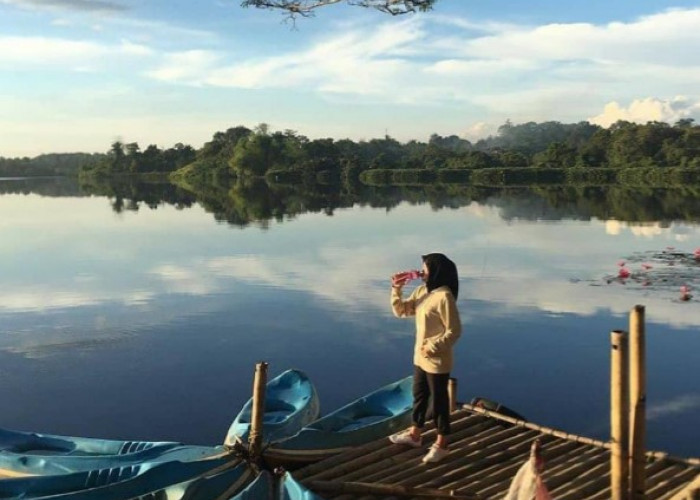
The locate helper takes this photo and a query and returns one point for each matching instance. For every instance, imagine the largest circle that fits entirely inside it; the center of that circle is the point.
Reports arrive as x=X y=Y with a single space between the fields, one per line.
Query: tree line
x=53 y=164
x=241 y=152
x=128 y=158
x=287 y=155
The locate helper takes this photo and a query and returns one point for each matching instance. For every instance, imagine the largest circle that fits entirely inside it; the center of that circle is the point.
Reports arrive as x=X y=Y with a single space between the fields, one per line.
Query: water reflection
x=146 y=324
x=255 y=200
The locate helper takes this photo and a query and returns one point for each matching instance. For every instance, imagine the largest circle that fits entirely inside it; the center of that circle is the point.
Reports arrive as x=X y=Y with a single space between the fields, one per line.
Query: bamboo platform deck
x=486 y=451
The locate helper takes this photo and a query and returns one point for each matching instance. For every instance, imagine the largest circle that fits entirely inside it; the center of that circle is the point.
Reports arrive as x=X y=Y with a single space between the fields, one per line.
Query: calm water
x=147 y=324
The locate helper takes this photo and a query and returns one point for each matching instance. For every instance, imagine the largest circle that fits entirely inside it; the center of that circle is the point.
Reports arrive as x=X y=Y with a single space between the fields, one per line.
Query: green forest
x=529 y=153
x=53 y=164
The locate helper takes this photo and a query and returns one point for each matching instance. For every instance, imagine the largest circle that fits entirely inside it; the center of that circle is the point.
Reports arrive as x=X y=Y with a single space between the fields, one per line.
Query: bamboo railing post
x=452 y=394
x=256 y=419
x=638 y=396
x=619 y=416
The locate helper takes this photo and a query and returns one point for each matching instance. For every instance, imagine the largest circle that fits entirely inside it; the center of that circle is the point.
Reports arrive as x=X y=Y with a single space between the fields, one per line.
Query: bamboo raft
x=486 y=451
x=488 y=448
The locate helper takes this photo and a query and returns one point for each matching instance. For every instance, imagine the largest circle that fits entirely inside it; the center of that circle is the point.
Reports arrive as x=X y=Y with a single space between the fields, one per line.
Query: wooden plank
x=486 y=452
x=666 y=487
x=397 y=458
x=594 y=479
x=689 y=492
x=562 y=465
x=576 y=471
x=348 y=462
x=458 y=454
x=358 y=488
x=499 y=467
x=479 y=469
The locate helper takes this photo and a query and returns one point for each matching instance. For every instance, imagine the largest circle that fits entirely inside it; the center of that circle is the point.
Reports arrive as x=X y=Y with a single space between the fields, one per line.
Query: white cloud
x=452 y=72
x=184 y=66
x=523 y=72
x=41 y=300
x=648 y=109
x=179 y=279
x=42 y=50
x=80 y=5
x=355 y=62
x=478 y=67
x=59 y=52
x=134 y=49
x=666 y=38
x=679 y=404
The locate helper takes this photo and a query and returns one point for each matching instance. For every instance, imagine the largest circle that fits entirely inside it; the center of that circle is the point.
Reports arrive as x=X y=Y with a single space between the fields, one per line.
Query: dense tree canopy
x=129 y=159
x=542 y=145
x=240 y=152
x=66 y=164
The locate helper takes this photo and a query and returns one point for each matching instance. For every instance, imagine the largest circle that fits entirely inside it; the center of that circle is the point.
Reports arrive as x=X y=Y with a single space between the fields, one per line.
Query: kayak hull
x=371 y=417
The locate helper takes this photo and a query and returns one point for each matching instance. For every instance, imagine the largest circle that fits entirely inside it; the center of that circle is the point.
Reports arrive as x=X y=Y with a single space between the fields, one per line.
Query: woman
x=437 y=329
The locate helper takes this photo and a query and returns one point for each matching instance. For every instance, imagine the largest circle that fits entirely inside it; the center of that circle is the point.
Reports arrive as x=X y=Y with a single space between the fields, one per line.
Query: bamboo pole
x=540 y=428
x=386 y=489
x=452 y=394
x=649 y=455
x=619 y=416
x=256 y=420
x=638 y=396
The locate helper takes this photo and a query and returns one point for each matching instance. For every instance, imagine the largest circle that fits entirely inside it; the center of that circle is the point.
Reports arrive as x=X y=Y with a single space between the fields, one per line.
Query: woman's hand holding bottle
x=398 y=280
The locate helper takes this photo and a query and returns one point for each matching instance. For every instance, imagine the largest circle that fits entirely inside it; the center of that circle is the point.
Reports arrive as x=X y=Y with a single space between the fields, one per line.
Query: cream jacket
x=437 y=325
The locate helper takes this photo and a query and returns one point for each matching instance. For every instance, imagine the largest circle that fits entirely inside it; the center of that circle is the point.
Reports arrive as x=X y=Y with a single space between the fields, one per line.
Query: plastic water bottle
x=413 y=274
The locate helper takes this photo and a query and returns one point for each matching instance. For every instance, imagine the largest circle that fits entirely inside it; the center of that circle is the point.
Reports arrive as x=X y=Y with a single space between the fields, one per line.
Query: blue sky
x=76 y=75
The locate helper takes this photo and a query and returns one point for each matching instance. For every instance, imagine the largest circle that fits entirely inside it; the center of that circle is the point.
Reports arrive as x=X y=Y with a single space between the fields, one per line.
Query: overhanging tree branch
x=305 y=8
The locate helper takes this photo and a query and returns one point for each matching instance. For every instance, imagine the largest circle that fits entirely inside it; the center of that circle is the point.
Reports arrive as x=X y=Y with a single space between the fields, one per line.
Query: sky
x=76 y=75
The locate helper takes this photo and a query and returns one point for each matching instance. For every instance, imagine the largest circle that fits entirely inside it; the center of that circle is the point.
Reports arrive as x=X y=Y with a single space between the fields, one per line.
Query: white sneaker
x=435 y=454
x=406 y=438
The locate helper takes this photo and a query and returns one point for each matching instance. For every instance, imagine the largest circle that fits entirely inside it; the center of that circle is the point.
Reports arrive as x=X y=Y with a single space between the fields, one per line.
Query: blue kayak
x=374 y=416
x=172 y=480
x=267 y=486
x=32 y=443
x=292 y=490
x=30 y=453
x=291 y=402
x=18 y=464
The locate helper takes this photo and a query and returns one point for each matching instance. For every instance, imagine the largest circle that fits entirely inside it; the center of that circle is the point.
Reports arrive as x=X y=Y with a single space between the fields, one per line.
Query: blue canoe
x=374 y=416
x=267 y=486
x=32 y=443
x=291 y=402
x=18 y=464
x=202 y=479
x=30 y=453
x=292 y=490
x=26 y=453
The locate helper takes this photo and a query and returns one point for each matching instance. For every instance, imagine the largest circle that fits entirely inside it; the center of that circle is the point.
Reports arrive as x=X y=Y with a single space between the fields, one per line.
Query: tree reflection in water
x=257 y=201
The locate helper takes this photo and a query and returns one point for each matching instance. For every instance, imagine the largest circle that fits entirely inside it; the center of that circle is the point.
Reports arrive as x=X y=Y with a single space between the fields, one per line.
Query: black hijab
x=441 y=272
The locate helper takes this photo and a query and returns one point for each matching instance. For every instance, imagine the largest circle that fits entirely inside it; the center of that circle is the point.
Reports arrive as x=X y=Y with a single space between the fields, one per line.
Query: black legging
x=431 y=387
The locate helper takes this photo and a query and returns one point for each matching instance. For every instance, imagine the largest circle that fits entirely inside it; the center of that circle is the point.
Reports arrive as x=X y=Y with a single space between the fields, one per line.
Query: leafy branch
x=306 y=8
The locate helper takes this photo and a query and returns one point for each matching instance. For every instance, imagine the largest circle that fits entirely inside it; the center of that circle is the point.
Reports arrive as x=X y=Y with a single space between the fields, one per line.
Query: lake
x=133 y=316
